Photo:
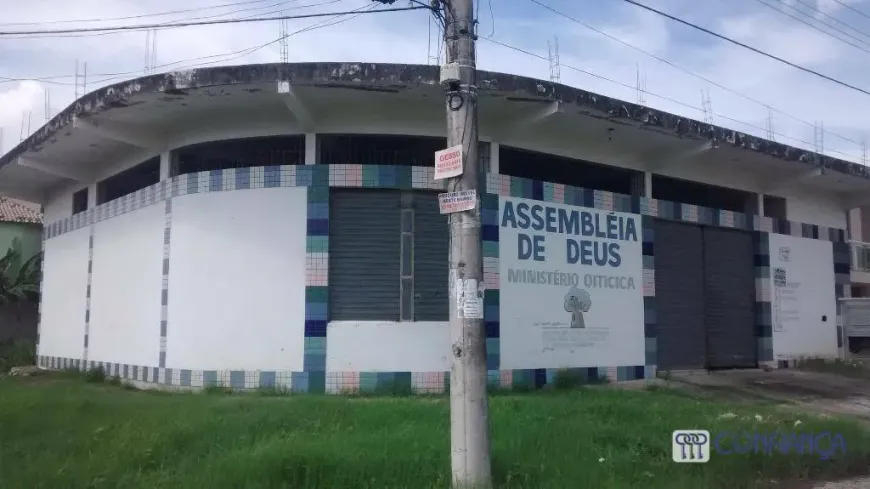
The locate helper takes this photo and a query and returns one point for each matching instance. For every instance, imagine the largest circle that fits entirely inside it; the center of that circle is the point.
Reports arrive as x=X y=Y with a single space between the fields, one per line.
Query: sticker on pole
x=469 y=298
x=448 y=162
x=451 y=202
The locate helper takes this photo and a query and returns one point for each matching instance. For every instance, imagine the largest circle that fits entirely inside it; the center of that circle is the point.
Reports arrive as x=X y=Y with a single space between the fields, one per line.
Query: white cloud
x=402 y=38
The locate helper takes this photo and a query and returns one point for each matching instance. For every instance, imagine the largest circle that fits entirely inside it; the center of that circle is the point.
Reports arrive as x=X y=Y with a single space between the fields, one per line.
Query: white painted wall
x=59 y=205
x=237 y=280
x=384 y=346
x=125 y=288
x=808 y=295
x=815 y=208
x=65 y=280
x=536 y=327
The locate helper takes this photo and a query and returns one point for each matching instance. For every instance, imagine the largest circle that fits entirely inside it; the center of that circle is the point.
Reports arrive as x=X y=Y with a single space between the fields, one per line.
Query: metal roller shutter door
x=679 y=299
x=729 y=299
x=431 y=242
x=364 y=255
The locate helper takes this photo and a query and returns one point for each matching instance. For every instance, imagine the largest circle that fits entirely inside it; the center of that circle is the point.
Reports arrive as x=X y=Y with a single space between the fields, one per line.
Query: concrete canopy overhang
x=143 y=117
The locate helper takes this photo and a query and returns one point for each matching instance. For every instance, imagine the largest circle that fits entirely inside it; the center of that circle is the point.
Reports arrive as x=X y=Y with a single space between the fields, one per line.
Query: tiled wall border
x=164 y=292
x=88 y=294
x=763 y=314
x=318 y=178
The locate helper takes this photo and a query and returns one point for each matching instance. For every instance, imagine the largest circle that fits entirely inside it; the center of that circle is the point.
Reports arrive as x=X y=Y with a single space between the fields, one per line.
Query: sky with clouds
x=746 y=90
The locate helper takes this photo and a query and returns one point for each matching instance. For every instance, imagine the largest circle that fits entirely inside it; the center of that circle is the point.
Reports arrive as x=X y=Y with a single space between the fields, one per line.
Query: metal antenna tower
x=282 y=40
x=707 y=106
x=553 y=55
x=640 y=85
x=150 y=51
x=77 y=94
x=768 y=125
x=1 y=141
x=819 y=137
x=864 y=151
x=47 y=104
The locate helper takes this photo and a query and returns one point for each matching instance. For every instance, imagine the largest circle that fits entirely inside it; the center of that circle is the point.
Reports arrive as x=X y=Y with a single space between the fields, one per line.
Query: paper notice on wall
x=448 y=162
x=469 y=299
x=451 y=202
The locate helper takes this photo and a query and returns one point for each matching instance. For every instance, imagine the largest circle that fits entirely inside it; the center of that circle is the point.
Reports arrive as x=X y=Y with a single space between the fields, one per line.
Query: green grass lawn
x=62 y=432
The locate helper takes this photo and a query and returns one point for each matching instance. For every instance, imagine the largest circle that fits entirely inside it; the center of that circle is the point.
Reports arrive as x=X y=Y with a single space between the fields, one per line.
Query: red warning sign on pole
x=448 y=163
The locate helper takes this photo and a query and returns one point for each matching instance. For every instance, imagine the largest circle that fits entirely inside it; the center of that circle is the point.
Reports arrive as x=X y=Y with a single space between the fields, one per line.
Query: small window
x=80 y=201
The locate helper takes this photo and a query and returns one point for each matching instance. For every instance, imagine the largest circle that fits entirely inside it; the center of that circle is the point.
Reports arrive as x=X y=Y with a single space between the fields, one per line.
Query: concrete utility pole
x=469 y=406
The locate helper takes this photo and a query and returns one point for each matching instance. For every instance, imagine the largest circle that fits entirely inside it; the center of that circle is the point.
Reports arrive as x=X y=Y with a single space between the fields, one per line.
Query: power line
x=814 y=9
x=229 y=56
x=743 y=45
x=234 y=55
x=662 y=97
x=172 y=23
x=140 y=27
x=853 y=9
x=686 y=70
x=130 y=17
x=814 y=27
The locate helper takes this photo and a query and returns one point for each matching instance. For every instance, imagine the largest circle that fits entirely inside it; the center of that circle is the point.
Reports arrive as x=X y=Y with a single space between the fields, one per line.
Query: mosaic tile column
x=650 y=329
x=763 y=313
x=88 y=297
x=164 y=292
x=313 y=377
x=842 y=281
x=489 y=233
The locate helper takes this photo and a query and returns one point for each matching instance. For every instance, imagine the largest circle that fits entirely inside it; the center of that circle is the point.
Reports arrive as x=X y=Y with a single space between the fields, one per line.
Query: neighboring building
x=226 y=225
x=21 y=228
x=21 y=221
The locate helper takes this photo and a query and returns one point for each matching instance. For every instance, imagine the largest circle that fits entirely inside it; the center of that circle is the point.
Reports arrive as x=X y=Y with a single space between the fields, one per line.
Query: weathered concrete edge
x=395 y=77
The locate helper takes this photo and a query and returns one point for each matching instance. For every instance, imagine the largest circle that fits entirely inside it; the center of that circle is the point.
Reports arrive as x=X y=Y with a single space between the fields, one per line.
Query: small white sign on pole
x=451 y=202
x=448 y=162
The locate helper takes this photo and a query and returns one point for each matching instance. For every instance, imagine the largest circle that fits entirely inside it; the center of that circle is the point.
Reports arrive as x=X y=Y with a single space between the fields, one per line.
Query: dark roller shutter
x=729 y=297
x=364 y=245
x=431 y=241
x=679 y=298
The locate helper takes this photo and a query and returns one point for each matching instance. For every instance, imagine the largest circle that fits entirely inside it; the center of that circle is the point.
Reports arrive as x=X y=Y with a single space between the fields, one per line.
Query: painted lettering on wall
x=587 y=230
x=571 y=286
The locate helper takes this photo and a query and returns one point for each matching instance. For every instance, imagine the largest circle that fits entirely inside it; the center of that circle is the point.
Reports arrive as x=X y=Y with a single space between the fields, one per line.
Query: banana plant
x=19 y=283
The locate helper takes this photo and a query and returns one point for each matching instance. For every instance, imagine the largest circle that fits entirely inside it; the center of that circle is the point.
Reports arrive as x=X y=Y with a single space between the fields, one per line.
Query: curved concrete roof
x=394 y=77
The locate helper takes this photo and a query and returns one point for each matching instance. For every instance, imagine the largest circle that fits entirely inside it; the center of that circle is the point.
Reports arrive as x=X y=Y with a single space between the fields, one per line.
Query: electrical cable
x=740 y=44
x=141 y=27
x=689 y=72
x=662 y=97
x=130 y=17
x=853 y=9
x=814 y=27
x=232 y=55
x=823 y=14
x=245 y=52
x=173 y=22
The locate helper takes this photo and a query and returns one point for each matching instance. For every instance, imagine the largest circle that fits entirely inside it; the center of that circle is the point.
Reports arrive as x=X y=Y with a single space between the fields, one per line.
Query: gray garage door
x=705 y=297
x=679 y=296
x=387 y=256
x=431 y=242
x=364 y=250
x=729 y=298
